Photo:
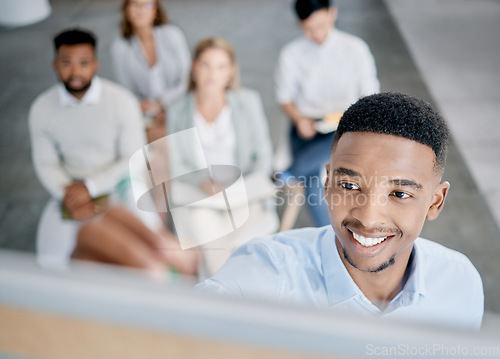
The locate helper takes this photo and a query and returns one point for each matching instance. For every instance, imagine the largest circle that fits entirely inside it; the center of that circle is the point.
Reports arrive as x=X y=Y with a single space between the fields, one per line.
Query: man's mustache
x=378 y=230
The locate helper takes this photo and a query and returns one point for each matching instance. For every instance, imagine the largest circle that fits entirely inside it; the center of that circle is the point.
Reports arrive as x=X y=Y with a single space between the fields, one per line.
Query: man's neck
x=381 y=287
x=78 y=95
x=88 y=96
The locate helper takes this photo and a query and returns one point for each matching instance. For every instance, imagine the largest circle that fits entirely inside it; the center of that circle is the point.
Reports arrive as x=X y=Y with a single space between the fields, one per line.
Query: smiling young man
x=384 y=182
x=83 y=131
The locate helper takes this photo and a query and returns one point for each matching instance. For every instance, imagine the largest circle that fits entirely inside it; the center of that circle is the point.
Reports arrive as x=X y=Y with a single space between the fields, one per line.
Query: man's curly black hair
x=75 y=36
x=399 y=115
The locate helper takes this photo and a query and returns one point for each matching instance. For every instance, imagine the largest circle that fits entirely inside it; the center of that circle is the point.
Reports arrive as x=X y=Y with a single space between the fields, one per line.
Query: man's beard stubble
x=380 y=268
x=77 y=91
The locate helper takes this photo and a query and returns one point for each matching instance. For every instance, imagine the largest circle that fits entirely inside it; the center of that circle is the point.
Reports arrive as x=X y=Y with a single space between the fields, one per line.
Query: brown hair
x=161 y=18
x=221 y=44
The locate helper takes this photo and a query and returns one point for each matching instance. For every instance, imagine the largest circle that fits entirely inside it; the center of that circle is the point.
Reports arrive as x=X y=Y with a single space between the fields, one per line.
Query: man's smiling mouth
x=366 y=241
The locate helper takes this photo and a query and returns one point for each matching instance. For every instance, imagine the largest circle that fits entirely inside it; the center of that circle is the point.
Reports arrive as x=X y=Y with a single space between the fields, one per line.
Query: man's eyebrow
x=405 y=183
x=346 y=171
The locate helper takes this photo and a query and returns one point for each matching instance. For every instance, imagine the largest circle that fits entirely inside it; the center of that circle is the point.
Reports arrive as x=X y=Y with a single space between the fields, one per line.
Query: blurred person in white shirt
x=319 y=74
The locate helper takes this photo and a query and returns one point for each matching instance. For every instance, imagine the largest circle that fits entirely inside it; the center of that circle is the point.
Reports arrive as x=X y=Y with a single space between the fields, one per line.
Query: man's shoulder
x=296 y=243
x=295 y=46
x=446 y=260
x=433 y=250
x=113 y=90
x=343 y=40
x=350 y=41
x=47 y=96
x=45 y=101
x=450 y=278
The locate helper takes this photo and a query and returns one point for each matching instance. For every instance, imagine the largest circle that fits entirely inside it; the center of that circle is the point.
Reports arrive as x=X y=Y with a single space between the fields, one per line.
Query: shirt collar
x=339 y=284
x=91 y=97
x=329 y=41
x=341 y=287
x=415 y=283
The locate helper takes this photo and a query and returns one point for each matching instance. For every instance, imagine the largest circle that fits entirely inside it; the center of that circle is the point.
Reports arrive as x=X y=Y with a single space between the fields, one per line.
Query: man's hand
x=305 y=125
x=76 y=196
x=118 y=237
x=82 y=213
x=305 y=128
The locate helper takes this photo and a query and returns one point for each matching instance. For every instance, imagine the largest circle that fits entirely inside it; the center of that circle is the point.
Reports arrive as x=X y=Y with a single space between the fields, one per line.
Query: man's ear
x=438 y=200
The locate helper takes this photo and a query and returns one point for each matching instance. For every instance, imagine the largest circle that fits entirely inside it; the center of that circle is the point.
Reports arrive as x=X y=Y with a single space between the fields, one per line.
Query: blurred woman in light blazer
x=233 y=130
x=151 y=58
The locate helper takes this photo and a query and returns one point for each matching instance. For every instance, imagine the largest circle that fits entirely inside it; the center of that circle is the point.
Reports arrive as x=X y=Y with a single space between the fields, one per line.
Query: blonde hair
x=126 y=28
x=221 y=44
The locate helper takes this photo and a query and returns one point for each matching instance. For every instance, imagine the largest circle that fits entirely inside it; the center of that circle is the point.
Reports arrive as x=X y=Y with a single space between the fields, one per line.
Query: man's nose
x=75 y=70
x=371 y=210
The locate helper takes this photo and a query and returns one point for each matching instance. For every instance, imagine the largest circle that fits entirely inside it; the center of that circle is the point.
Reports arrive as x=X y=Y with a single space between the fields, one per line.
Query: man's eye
x=401 y=195
x=350 y=186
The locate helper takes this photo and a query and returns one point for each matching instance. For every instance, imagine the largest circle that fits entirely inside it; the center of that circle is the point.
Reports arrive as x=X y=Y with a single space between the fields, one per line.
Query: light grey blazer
x=254 y=152
x=131 y=68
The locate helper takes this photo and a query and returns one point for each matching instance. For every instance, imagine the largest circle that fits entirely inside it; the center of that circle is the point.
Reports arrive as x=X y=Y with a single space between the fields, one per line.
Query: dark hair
x=74 y=37
x=127 y=31
x=304 y=8
x=399 y=115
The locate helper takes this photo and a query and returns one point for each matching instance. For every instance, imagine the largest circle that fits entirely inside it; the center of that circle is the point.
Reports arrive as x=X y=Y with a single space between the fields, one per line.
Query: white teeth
x=367 y=242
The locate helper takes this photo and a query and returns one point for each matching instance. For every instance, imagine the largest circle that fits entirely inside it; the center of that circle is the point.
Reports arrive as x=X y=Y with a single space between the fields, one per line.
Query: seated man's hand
x=305 y=128
x=118 y=237
x=84 y=212
x=76 y=196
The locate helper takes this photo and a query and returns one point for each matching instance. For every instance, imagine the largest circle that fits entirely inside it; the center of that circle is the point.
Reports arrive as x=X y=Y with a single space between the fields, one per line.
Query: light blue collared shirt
x=303 y=266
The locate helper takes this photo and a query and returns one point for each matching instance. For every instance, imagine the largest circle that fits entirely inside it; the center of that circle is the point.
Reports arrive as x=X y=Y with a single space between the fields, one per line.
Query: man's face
x=380 y=190
x=76 y=65
x=317 y=26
